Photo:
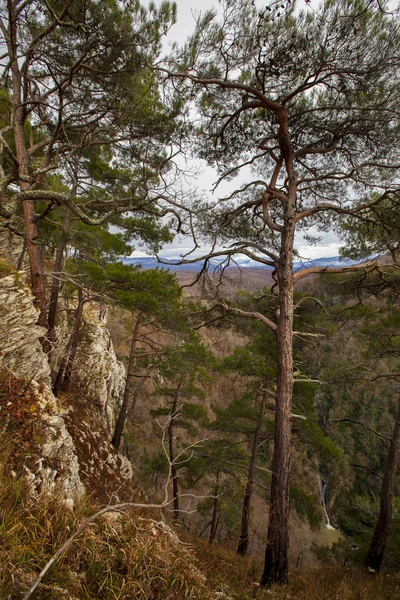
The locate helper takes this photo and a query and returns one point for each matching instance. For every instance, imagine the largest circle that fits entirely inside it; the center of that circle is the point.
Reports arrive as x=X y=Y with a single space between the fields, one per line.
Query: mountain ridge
x=149 y=262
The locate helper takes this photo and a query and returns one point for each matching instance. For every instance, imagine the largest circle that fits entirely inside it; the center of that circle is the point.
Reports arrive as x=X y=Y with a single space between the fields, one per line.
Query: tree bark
x=215 y=513
x=276 y=554
x=28 y=206
x=74 y=344
x=244 y=530
x=55 y=286
x=171 y=447
x=64 y=372
x=123 y=413
x=382 y=529
x=21 y=257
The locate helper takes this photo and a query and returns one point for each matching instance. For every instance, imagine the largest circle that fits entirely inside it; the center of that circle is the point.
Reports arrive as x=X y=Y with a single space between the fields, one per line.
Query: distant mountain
x=148 y=262
x=330 y=261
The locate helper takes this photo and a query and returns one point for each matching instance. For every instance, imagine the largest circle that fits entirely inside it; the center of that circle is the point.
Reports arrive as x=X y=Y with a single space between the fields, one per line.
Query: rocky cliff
x=56 y=454
x=72 y=452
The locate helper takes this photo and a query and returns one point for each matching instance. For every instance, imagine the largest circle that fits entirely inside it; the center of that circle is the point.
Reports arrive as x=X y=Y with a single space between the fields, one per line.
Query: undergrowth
x=134 y=556
x=129 y=555
x=238 y=577
x=19 y=418
x=120 y=556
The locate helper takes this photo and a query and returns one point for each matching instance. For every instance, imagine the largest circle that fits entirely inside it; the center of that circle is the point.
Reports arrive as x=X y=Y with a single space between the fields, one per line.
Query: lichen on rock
x=61 y=444
x=20 y=347
x=97 y=373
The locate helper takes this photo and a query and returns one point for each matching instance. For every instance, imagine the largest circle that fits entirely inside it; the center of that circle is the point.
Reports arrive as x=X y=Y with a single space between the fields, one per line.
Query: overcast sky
x=329 y=245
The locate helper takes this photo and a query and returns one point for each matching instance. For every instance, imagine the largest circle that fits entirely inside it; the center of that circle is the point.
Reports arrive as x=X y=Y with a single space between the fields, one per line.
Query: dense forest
x=219 y=432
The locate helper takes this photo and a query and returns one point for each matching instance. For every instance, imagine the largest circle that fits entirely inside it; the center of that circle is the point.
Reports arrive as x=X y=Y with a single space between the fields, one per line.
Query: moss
x=5 y=269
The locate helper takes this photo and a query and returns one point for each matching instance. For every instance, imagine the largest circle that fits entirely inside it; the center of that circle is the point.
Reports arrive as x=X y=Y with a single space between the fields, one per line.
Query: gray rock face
x=75 y=451
x=60 y=340
x=105 y=472
x=56 y=470
x=20 y=349
x=97 y=373
x=11 y=245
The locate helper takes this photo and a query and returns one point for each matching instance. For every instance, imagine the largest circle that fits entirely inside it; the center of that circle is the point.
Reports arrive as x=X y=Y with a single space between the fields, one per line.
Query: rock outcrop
x=72 y=452
x=56 y=468
x=97 y=373
x=11 y=245
x=20 y=348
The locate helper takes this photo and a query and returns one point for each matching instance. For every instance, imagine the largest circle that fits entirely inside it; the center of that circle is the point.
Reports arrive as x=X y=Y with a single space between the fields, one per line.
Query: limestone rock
x=60 y=339
x=74 y=452
x=55 y=471
x=20 y=348
x=97 y=373
x=11 y=245
x=105 y=472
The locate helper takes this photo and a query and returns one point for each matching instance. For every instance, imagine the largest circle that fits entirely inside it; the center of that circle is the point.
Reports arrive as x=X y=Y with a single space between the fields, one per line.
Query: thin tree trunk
x=55 y=286
x=35 y=255
x=276 y=554
x=171 y=447
x=244 y=530
x=382 y=528
x=74 y=344
x=21 y=257
x=55 y=289
x=64 y=370
x=215 y=517
x=123 y=413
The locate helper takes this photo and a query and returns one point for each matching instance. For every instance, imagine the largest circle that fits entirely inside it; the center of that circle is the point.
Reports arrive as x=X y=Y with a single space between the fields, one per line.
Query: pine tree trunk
x=171 y=446
x=276 y=554
x=382 y=529
x=55 y=286
x=64 y=372
x=32 y=244
x=74 y=343
x=28 y=206
x=21 y=257
x=123 y=413
x=244 y=530
x=215 y=516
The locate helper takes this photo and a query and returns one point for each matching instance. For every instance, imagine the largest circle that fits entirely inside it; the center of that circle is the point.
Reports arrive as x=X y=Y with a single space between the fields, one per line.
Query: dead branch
x=85 y=524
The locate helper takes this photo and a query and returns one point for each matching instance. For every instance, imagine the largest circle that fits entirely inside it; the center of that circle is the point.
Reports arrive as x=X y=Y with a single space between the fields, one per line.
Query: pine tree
x=183 y=370
x=299 y=97
x=77 y=80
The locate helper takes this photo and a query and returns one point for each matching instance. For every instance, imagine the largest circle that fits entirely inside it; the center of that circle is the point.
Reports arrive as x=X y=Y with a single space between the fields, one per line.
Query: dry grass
x=118 y=557
x=131 y=556
x=125 y=555
x=335 y=583
x=239 y=577
x=235 y=576
x=19 y=419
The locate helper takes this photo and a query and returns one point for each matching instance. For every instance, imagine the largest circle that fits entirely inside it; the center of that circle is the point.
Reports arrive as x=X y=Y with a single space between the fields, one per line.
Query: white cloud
x=321 y=251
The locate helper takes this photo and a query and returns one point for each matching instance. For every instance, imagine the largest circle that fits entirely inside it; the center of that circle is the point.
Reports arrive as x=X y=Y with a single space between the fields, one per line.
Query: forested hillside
x=219 y=431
